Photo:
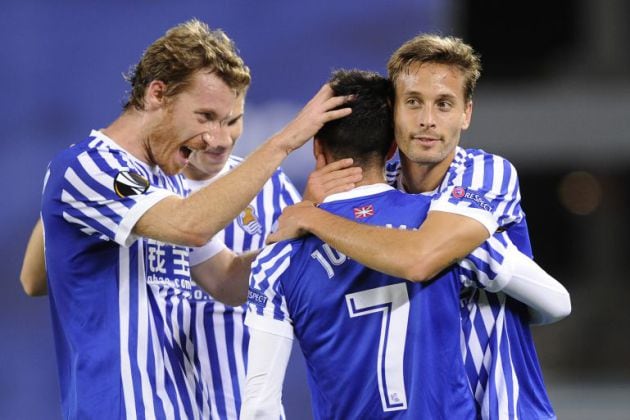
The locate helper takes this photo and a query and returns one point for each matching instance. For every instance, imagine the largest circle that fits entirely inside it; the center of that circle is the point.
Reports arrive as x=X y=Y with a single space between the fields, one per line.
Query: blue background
x=554 y=103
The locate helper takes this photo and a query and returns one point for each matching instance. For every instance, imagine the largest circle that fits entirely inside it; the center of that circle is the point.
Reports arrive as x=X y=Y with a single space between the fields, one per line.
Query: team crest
x=130 y=183
x=364 y=211
x=248 y=221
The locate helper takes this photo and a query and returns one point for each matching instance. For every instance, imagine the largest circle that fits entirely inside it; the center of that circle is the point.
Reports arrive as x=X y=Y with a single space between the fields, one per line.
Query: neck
x=129 y=131
x=372 y=175
x=423 y=177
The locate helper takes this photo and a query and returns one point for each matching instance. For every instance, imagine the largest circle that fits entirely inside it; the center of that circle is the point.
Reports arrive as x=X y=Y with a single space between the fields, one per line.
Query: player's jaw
x=173 y=155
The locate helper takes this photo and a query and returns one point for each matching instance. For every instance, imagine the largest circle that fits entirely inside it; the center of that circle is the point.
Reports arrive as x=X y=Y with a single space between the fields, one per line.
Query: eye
x=412 y=102
x=445 y=105
x=233 y=121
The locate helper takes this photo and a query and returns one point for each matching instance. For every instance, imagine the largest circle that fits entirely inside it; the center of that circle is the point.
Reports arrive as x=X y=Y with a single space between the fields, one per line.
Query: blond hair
x=185 y=49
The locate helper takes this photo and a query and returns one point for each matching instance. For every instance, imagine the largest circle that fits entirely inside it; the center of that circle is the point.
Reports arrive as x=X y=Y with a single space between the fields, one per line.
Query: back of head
x=185 y=49
x=428 y=48
x=367 y=133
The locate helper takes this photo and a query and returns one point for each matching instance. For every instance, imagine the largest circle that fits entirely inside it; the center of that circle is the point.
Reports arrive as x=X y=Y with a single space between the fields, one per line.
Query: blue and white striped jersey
x=221 y=334
x=120 y=304
x=497 y=345
x=375 y=346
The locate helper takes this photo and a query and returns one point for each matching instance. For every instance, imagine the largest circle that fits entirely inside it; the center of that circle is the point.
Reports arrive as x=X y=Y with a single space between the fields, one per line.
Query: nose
x=217 y=136
x=427 y=119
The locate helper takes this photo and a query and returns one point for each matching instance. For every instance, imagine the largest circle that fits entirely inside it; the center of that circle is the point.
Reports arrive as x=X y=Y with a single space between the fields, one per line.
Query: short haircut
x=184 y=50
x=368 y=132
x=430 y=48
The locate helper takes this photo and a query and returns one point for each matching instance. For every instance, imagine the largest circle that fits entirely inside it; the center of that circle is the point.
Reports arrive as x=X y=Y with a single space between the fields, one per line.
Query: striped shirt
x=375 y=346
x=222 y=335
x=122 y=319
x=497 y=345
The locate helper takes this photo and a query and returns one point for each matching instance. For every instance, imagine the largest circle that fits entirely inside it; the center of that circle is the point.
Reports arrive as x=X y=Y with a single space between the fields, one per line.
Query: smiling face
x=430 y=113
x=190 y=121
x=206 y=164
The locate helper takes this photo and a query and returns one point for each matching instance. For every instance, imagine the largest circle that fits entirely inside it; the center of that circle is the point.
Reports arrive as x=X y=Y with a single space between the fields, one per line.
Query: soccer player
x=376 y=346
x=118 y=229
x=473 y=194
x=221 y=336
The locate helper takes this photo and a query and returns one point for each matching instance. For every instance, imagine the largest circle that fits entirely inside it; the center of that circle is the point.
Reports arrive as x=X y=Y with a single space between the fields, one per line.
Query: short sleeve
x=99 y=191
x=481 y=186
x=266 y=303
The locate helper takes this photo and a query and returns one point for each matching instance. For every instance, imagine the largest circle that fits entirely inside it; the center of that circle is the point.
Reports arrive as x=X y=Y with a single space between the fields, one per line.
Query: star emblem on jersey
x=130 y=183
x=364 y=211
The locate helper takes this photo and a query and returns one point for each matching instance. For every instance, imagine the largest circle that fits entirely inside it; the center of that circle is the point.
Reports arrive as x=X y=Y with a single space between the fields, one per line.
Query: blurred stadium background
x=554 y=98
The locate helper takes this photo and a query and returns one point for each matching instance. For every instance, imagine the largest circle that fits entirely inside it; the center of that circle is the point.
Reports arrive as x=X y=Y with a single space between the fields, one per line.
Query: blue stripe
x=214 y=361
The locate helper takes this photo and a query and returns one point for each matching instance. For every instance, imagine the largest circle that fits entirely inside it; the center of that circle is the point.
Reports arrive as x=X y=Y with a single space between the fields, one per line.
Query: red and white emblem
x=363 y=212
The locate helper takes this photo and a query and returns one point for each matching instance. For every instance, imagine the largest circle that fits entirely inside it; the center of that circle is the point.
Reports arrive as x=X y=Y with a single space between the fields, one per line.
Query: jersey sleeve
x=102 y=194
x=266 y=303
x=484 y=187
x=488 y=266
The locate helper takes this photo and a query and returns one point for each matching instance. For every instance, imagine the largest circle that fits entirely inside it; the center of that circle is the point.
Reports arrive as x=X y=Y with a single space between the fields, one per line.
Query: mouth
x=425 y=140
x=185 y=151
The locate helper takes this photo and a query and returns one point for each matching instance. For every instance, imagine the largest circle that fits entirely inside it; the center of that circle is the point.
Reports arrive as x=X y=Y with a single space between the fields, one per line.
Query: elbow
x=231 y=296
x=33 y=289
x=233 y=299
x=193 y=237
x=419 y=269
x=561 y=310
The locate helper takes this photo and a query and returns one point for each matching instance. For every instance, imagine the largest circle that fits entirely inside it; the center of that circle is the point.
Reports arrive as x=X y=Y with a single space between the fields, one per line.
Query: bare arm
x=194 y=220
x=33 y=274
x=268 y=357
x=419 y=255
x=225 y=276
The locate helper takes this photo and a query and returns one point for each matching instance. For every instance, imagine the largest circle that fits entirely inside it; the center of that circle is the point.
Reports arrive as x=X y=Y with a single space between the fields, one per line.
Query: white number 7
x=393 y=302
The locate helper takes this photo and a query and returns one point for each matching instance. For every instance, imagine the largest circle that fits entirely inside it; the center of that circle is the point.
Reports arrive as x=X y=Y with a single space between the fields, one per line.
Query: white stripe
x=89 y=212
x=123 y=316
x=224 y=363
x=161 y=300
x=96 y=175
x=239 y=355
x=188 y=369
x=261 y=275
x=478 y=173
x=88 y=230
x=158 y=357
x=143 y=327
x=204 y=359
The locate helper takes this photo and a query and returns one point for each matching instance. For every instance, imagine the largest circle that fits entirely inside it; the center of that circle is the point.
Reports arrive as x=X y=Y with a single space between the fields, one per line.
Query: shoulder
x=478 y=158
x=272 y=257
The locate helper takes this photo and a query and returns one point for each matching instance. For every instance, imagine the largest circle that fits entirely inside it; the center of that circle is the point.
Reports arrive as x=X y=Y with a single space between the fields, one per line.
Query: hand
x=289 y=222
x=317 y=112
x=335 y=177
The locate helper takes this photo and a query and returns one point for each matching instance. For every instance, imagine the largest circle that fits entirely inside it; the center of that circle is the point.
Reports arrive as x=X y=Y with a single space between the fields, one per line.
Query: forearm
x=225 y=276
x=194 y=220
x=33 y=273
x=268 y=357
x=548 y=301
x=413 y=255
